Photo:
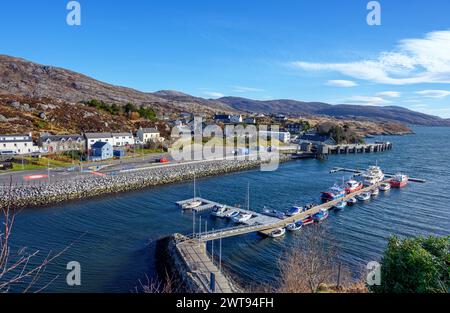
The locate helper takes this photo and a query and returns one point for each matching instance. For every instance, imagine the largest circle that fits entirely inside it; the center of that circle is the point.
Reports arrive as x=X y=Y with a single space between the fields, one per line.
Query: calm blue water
x=113 y=237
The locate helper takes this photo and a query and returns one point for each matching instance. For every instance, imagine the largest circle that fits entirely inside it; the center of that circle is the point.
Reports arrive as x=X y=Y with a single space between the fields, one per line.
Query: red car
x=162 y=160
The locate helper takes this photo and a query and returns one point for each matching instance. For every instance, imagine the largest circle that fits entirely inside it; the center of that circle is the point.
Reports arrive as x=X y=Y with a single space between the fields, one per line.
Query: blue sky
x=320 y=50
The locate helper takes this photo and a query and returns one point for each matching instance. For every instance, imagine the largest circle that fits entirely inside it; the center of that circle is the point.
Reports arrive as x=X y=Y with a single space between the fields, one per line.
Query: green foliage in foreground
x=415 y=265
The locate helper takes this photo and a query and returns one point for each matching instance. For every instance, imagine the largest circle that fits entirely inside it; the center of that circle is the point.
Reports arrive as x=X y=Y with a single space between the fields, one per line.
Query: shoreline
x=20 y=197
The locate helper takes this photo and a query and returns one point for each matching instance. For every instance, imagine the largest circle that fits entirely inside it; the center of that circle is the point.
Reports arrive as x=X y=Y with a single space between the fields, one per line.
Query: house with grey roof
x=147 y=135
x=62 y=143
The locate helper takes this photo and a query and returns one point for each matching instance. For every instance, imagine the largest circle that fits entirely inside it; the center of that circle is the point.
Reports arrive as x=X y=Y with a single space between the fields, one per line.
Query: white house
x=146 y=135
x=92 y=138
x=17 y=144
x=122 y=139
x=284 y=137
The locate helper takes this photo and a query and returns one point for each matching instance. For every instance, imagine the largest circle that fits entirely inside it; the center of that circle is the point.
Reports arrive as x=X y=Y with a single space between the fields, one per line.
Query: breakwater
x=87 y=187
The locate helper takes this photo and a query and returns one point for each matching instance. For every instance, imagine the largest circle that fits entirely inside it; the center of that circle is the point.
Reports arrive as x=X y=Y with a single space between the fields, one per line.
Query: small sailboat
x=352 y=201
x=321 y=216
x=385 y=187
x=295 y=226
x=277 y=233
x=195 y=203
x=340 y=206
x=364 y=196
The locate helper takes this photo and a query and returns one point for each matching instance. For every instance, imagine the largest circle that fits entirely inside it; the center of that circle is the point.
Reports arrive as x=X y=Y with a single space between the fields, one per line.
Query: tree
x=129 y=108
x=415 y=265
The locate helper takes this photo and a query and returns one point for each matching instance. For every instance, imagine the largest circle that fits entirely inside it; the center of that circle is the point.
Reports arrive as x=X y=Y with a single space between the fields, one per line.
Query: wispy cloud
x=413 y=61
x=342 y=83
x=242 y=89
x=390 y=94
x=213 y=94
x=434 y=93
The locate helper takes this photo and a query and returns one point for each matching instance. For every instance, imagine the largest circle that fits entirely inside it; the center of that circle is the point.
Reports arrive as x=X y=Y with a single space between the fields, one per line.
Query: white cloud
x=213 y=94
x=390 y=94
x=413 y=61
x=434 y=93
x=366 y=100
x=341 y=83
x=242 y=89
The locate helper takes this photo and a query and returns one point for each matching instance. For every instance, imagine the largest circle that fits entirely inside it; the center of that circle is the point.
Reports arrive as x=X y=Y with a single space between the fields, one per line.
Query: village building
x=17 y=144
x=62 y=143
x=147 y=135
x=101 y=151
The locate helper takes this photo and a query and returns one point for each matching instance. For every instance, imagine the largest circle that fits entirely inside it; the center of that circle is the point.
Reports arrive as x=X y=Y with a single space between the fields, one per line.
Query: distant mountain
x=292 y=107
x=27 y=79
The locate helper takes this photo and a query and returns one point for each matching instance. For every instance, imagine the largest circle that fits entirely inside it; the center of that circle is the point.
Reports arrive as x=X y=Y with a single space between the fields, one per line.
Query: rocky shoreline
x=88 y=187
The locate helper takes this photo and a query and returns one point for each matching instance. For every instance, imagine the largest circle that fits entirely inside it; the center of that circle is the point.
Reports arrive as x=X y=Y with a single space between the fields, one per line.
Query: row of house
x=23 y=144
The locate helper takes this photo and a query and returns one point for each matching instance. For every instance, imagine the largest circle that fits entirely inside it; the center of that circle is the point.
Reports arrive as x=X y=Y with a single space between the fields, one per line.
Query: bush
x=415 y=265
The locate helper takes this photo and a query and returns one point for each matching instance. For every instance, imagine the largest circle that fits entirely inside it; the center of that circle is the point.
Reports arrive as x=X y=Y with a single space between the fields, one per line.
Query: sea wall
x=90 y=186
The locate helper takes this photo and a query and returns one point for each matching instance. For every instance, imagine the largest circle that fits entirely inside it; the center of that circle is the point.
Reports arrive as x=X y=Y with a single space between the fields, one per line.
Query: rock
x=3 y=119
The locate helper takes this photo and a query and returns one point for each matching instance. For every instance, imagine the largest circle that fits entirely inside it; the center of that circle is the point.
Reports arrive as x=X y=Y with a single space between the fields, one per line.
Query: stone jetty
x=90 y=186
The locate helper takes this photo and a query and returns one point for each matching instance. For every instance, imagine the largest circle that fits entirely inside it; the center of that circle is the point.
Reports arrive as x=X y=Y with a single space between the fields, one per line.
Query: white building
x=92 y=138
x=284 y=137
x=147 y=135
x=17 y=144
x=122 y=139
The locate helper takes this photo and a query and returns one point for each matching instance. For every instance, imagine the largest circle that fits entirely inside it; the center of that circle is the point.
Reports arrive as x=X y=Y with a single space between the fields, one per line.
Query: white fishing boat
x=277 y=233
x=373 y=176
x=242 y=217
x=385 y=187
x=375 y=192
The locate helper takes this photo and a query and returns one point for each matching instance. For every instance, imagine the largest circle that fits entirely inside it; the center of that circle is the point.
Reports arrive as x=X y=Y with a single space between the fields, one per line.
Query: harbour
x=132 y=222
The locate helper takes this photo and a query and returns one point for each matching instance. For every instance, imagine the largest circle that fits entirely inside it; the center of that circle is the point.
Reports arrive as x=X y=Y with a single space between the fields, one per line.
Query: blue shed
x=101 y=151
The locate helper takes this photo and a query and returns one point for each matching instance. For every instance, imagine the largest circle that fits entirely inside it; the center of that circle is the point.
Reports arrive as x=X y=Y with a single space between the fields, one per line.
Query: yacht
x=218 y=210
x=373 y=176
x=242 y=217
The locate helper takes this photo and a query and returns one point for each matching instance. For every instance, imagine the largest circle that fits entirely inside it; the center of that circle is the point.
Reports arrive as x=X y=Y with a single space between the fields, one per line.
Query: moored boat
x=231 y=213
x=277 y=233
x=364 y=196
x=375 y=192
x=218 y=210
x=352 y=201
x=242 y=217
x=334 y=193
x=385 y=187
x=308 y=220
x=295 y=226
x=340 y=206
x=321 y=216
x=399 y=181
x=352 y=186
x=191 y=205
x=372 y=176
x=295 y=210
